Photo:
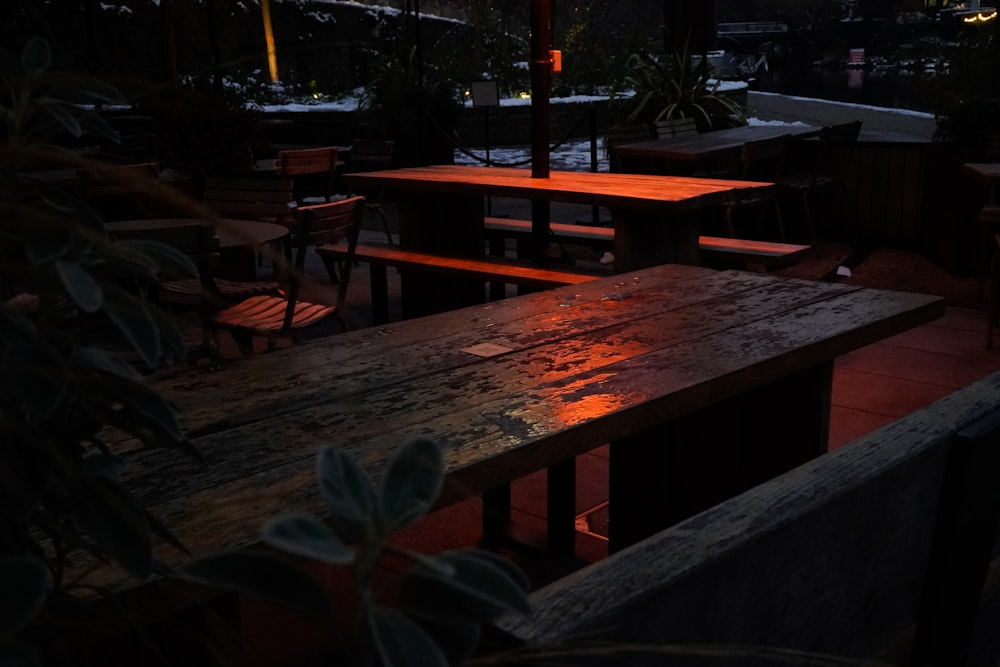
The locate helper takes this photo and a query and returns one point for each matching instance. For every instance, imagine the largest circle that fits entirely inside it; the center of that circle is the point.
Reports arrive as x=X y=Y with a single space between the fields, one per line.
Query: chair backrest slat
x=677 y=127
x=262 y=199
x=370 y=154
x=764 y=159
x=300 y=161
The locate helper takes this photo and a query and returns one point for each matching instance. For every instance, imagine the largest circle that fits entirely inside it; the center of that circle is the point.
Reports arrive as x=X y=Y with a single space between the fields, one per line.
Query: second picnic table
x=441 y=210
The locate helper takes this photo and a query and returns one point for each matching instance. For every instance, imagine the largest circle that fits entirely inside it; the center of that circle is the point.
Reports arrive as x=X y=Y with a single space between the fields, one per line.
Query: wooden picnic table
x=703 y=147
x=441 y=209
x=704 y=382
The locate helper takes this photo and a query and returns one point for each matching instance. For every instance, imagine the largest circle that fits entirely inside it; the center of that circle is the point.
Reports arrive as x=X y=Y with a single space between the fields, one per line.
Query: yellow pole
x=272 y=55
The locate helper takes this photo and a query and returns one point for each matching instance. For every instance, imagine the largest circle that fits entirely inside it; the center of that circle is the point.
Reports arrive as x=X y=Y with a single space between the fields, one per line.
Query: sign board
x=485 y=94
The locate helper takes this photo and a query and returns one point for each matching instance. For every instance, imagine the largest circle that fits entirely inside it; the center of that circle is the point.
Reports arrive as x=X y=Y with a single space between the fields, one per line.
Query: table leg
x=665 y=475
x=443 y=225
x=644 y=239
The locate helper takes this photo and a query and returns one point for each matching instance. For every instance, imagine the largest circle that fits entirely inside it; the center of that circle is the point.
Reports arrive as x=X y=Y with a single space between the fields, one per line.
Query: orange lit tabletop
x=703 y=382
x=441 y=207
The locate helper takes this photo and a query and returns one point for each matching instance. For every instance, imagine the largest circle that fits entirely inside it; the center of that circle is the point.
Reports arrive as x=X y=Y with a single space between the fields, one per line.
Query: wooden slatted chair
x=626 y=134
x=830 y=162
x=372 y=155
x=317 y=162
x=274 y=316
x=268 y=199
x=671 y=129
x=760 y=160
x=675 y=127
x=236 y=198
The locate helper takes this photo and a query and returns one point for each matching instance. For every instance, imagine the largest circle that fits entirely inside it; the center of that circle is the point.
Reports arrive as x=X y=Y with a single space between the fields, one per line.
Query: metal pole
x=416 y=44
x=541 y=86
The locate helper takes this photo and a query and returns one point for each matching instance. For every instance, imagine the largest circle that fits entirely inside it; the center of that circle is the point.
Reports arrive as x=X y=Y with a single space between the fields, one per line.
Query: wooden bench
x=713 y=249
x=885 y=549
x=503 y=271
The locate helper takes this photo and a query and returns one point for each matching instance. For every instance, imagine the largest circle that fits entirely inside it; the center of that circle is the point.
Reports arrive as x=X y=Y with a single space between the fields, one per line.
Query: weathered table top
x=668 y=194
x=506 y=388
x=697 y=147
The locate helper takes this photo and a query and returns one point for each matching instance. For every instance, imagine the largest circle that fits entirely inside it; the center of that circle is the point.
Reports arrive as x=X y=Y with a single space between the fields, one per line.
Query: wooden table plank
x=364 y=361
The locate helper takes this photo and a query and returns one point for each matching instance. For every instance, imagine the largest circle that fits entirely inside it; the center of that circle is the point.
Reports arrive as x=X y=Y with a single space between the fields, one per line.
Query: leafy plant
x=64 y=379
x=671 y=87
x=432 y=615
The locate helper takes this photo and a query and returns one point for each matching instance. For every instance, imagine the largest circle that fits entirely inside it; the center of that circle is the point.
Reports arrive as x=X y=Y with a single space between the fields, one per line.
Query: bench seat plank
x=828 y=557
x=711 y=247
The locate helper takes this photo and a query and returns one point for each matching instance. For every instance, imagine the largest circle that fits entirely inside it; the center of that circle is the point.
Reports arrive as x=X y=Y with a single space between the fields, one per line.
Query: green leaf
x=263 y=577
x=25 y=582
x=142 y=407
x=402 y=643
x=115 y=521
x=170 y=260
x=480 y=588
x=37 y=374
x=348 y=493
x=47 y=239
x=102 y=360
x=132 y=317
x=80 y=286
x=36 y=57
x=412 y=483
x=457 y=639
x=307 y=536
x=63 y=116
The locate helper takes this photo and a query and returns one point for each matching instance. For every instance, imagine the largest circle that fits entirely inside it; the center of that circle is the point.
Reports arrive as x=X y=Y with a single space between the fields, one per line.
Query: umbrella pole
x=541 y=86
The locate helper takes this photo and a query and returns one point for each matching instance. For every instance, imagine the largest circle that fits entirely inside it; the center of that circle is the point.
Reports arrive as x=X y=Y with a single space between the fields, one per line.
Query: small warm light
x=980 y=17
x=315 y=96
x=523 y=95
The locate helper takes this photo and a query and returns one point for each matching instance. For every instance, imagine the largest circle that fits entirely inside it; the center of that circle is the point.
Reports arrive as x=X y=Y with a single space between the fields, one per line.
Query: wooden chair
x=760 y=160
x=117 y=193
x=372 y=155
x=626 y=134
x=273 y=316
x=831 y=159
x=267 y=199
x=675 y=127
x=256 y=198
x=671 y=129
x=319 y=162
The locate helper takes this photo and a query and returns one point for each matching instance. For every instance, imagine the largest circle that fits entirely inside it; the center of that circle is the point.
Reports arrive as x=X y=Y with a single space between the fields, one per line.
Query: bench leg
x=561 y=509
x=561 y=512
x=380 y=293
x=496 y=515
x=667 y=474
